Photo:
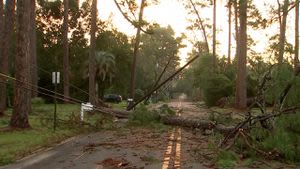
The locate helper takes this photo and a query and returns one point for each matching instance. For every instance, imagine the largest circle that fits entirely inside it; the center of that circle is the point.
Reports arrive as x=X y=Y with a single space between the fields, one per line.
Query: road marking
x=173 y=148
x=167 y=156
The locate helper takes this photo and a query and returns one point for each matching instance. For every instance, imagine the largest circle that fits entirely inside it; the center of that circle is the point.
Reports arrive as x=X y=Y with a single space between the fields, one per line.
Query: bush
x=217 y=87
x=143 y=117
x=285 y=139
x=226 y=159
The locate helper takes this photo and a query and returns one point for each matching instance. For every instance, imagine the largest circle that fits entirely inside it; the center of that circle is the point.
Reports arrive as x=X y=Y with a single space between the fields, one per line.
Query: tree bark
x=92 y=80
x=34 y=72
x=1 y=49
x=296 y=58
x=135 y=51
x=214 y=35
x=19 y=118
x=282 y=30
x=66 y=51
x=236 y=21
x=6 y=44
x=241 y=87
x=229 y=33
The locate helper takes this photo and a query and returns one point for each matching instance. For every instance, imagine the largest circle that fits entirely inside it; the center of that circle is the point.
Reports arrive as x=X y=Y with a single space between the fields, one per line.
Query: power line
x=57 y=96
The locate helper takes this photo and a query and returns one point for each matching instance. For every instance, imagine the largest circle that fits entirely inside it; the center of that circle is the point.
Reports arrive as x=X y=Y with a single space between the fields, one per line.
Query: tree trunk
x=135 y=51
x=214 y=35
x=1 y=49
x=296 y=58
x=19 y=118
x=229 y=33
x=66 y=52
x=241 y=87
x=282 y=31
x=236 y=21
x=34 y=72
x=92 y=80
x=201 y=26
x=6 y=44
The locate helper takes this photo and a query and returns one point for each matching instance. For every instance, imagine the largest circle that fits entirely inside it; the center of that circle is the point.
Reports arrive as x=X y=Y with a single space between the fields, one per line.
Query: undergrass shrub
x=285 y=139
x=226 y=159
x=218 y=86
x=142 y=116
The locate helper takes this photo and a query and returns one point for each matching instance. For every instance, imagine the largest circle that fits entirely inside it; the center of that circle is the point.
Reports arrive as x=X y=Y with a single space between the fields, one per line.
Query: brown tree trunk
x=229 y=33
x=241 y=87
x=282 y=30
x=34 y=72
x=6 y=44
x=214 y=35
x=135 y=51
x=296 y=58
x=1 y=49
x=236 y=23
x=92 y=80
x=19 y=118
x=66 y=52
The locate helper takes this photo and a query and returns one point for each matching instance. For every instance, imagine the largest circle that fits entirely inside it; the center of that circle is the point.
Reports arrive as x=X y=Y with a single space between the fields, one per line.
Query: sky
x=173 y=13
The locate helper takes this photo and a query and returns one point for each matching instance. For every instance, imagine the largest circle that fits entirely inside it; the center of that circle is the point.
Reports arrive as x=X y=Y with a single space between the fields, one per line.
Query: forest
x=228 y=83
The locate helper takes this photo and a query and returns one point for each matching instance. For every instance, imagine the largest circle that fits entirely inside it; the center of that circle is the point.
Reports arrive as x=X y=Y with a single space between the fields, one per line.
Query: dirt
x=132 y=148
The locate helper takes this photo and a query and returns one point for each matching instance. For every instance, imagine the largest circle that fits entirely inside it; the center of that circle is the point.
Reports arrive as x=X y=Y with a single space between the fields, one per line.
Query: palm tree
x=6 y=44
x=66 y=51
x=92 y=84
x=241 y=87
x=105 y=66
x=19 y=118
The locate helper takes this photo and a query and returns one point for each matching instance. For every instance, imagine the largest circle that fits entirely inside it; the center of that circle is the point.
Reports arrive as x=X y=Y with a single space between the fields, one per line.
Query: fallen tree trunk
x=196 y=124
x=175 y=121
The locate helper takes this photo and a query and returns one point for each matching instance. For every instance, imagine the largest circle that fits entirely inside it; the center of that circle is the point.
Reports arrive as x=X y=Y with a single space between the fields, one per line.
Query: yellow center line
x=176 y=132
x=167 y=156
x=178 y=150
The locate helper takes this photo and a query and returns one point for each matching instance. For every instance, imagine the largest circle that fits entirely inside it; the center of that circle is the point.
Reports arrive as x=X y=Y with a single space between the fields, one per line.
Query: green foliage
x=37 y=100
x=281 y=76
x=166 y=110
x=226 y=159
x=143 y=117
x=217 y=86
x=285 y=138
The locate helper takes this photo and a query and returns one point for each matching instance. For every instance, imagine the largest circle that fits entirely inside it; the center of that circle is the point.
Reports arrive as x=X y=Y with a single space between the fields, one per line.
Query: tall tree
x=19 y=118
x=201 y=25
x=282 y=15
x=135 y=50
x=241 y=85
x=229 y=31
x=236 y=25
x=296 y=58
x=6 y=44
x=214 y=33
x=66 y=61
x=34 y=72
x=92 y=80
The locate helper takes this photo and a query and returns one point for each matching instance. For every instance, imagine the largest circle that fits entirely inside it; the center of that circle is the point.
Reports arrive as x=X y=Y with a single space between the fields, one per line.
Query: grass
x=120 y=106
x=20 y=143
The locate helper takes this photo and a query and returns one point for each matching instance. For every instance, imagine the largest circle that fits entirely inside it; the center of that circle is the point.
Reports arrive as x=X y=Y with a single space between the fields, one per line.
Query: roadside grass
x=119 y=106
x=16 y=144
